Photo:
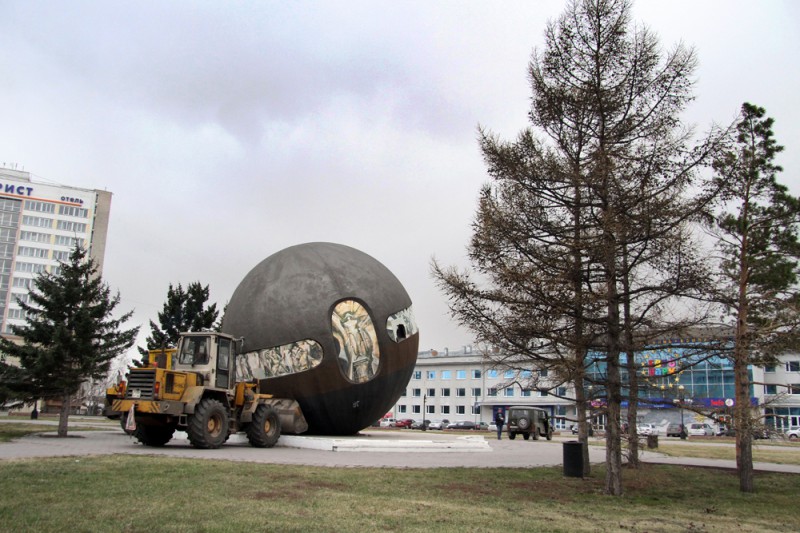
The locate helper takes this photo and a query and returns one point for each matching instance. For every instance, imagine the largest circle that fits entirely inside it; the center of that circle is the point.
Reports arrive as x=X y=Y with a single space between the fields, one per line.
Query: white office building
x=462 y=385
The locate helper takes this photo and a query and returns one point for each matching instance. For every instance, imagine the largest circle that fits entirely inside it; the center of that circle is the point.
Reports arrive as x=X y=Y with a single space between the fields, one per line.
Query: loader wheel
x=208 y=427
x=265 y=429
x=155 y=436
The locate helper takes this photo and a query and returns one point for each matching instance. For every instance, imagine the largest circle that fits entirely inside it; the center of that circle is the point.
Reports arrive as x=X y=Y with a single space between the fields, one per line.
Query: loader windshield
x=194 y=351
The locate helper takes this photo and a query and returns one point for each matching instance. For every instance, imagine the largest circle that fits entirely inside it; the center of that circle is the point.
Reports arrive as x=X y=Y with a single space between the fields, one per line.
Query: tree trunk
x=613 y=434
x=744 y=426
x=63 y=415
x=583 y=425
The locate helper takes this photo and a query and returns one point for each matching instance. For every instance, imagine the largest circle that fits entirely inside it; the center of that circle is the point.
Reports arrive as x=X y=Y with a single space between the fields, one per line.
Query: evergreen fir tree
x=70 y=335
x=184 y=310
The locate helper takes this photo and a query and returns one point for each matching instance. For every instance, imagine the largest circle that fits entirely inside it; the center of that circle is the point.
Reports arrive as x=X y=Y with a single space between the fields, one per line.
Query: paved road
x=401 y=449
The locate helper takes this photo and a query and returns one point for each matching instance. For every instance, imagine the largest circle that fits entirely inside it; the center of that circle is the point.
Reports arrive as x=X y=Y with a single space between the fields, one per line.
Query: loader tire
x=265 y=429
x=155 y=436
x=208 y=426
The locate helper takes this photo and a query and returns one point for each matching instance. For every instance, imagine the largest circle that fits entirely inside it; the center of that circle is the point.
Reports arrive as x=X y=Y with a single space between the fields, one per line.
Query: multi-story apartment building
x=40 y=223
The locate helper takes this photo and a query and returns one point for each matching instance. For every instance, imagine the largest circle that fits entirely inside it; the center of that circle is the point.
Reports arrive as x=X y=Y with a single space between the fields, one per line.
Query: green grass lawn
x=789 y=455
x=16 y=429
x=144 y=494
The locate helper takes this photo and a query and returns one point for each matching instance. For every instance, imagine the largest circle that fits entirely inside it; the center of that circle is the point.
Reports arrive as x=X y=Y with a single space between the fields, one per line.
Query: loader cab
x=209 y=354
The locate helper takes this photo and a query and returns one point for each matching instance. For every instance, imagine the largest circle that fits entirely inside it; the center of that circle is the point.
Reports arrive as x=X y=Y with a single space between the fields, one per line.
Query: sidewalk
x=393 y=449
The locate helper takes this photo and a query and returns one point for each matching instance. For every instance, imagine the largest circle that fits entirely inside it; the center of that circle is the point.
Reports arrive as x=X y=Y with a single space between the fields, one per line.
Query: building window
x=73 y=211
x=430 y=409
x=526 y=374
x=476 y=374
x=416 y=393
x=476 y=392
x=543 y=373
x=34 y=236
x=461 y=374
x=37 y=222
x=476 y=409
x=794 y=388
x=68 y=225
x=526 y=392
x=41 y=207
x=416 y=409
x=492 y=373
x=491 y=391
x=63 y=240
x=445 y=392
x=431 y=374
x=543 y=393
x=22 y=283
x=770 y=389
x=793 y=366
x=445 y=374
x=461 y=392
x=30 y=251
x=34 y=268
x=445 y=409
x=405 y=391
x=401 y=408
x=508 y=392
x=417 y=374
x=561 y=391
x=769 y=369
x=431 y=393
x=59 y=255
x=461 y=410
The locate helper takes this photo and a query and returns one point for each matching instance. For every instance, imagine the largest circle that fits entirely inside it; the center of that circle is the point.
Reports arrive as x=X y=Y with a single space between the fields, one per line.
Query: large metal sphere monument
x=330 y=327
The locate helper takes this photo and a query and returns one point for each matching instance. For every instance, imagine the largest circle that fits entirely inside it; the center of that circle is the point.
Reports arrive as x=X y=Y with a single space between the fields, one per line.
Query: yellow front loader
x=199 y=395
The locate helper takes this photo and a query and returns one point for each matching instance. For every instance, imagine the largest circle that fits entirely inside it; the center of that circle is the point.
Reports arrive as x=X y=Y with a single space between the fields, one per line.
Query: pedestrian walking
x=499 y=420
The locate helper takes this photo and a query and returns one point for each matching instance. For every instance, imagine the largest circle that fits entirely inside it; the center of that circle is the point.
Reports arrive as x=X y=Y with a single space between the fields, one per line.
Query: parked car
x=699 y=430
x=438 y=424
x=421 y=425
x=793 y=433
x=403 y=423
x=482 y=426
x=528 y=421
x=387 y=422
x=646 y=429
x=674 y=430
x=461 y=424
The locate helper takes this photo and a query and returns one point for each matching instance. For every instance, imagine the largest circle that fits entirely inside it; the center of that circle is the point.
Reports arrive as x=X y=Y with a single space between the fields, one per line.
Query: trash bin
x=652 y=441
x=573 y=458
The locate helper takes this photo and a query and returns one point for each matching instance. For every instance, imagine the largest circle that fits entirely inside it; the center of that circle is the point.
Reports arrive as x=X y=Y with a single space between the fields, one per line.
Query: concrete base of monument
x=369 y=443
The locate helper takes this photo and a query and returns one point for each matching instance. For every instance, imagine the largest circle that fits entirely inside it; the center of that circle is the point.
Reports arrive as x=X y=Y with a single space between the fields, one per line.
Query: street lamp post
x=424 y=425
x=680 y=402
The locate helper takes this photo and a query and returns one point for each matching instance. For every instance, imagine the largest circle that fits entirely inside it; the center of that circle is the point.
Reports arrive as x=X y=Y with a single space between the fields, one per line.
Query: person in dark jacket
x=499 y=420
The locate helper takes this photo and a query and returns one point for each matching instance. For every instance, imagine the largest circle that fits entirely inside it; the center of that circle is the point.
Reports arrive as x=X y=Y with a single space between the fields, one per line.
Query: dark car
x=528 y=421
x=420 y=425
x=461 y=424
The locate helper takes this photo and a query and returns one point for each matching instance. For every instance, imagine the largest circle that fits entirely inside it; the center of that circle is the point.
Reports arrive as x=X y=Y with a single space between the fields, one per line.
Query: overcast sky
x=227 y=131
